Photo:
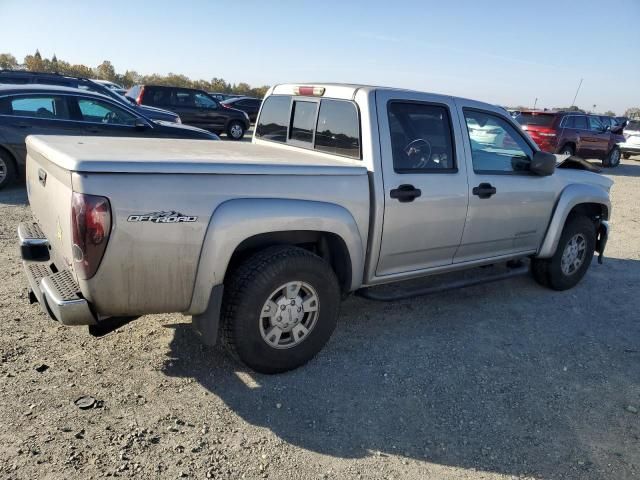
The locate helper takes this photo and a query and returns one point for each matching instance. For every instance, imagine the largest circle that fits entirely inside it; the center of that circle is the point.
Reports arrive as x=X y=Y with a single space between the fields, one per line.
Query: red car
x=573 y=133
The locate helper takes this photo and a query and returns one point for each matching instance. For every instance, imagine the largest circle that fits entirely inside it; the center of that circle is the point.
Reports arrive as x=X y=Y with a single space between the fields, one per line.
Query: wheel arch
x=577 y=199
x=243 y=226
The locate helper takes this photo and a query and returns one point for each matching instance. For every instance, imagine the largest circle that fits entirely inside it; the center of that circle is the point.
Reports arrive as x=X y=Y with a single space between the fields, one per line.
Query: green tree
x=8 y=61
x=633 y=112
x=609 y=113
x=34 y=62
x=106 y=71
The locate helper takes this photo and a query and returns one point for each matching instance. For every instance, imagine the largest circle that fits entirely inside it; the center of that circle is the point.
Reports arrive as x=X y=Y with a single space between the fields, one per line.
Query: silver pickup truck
x=343 y=188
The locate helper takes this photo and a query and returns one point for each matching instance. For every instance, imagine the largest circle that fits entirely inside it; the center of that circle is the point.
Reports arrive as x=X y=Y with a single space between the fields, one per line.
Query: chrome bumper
x=55 y=290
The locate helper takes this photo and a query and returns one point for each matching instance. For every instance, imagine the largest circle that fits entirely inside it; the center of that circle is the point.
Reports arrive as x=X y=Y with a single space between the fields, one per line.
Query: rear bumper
x=55 y=290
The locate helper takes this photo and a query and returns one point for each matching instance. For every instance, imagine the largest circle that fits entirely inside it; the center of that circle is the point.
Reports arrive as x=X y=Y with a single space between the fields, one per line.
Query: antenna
x=576 y=95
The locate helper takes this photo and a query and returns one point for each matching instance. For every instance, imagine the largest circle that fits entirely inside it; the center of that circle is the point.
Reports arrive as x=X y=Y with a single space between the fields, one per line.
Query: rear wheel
x=613 y=158
x=567 y=150
x=572 y=257
x=235 y=130
x=626 y=156
x=279 y=309
x=7 y=169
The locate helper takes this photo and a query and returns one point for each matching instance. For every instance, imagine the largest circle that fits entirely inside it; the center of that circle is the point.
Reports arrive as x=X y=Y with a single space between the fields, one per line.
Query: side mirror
x=140 y=124
x=617 y=129
x=543 y=163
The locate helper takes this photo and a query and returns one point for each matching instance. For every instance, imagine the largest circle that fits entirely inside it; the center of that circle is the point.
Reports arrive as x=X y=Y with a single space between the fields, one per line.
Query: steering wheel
x=110 y=117
x=418 y=151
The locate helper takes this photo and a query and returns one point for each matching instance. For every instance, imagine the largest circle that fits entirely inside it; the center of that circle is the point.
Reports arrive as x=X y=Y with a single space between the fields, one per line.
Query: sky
x=503 y=52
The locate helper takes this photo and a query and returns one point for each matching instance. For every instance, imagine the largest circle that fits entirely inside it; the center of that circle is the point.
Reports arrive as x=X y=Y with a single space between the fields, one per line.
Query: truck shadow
x=506 y=377
x=15 y=194
x=627 y=168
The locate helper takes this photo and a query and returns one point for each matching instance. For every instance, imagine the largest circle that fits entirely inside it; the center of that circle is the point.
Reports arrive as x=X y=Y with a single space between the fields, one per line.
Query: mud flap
x=206 y=324
x=601 y=241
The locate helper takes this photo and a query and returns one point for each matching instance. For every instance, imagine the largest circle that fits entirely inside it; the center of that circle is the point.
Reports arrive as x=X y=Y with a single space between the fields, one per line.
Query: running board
x=370 y=293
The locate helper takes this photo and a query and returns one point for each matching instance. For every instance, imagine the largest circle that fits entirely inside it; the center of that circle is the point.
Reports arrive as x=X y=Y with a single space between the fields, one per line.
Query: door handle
x=405 y=193
x=484 y=190
x=22 y=125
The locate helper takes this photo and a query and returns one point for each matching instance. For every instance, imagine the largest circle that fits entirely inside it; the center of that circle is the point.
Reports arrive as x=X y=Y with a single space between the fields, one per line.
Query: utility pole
x=535 y=103
x=576 y=95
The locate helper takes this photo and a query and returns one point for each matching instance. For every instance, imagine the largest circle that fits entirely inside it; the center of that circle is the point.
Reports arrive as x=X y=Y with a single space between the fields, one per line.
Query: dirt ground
x=504 y=380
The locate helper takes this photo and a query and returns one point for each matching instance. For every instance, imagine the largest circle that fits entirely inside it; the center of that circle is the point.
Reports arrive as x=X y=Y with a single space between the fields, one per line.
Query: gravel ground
x=496 y=381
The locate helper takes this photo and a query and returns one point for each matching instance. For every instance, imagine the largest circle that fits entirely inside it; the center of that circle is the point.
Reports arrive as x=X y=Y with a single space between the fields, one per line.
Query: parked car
x=631 y=144
x=51 y=110
x=259 y=241
x=249 y=105
x=574 y=133
x=14 y=77
x=195 y=107
x=108 y=84
x=223 y=96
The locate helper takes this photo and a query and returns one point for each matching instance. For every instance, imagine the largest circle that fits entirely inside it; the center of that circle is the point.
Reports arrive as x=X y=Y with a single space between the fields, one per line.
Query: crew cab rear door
x=425 y=183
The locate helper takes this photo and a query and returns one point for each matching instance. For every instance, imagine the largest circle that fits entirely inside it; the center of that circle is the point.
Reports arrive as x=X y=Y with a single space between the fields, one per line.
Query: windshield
x=538 y=119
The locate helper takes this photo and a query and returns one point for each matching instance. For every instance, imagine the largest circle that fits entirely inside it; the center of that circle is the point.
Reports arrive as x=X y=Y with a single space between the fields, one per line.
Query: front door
x=509 y=207
x=425 y=183
x=598 y=138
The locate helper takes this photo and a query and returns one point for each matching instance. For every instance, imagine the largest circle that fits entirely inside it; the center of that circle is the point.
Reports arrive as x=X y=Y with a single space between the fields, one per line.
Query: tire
x=235 y=130
x=556 y=274
x=567 y=150
x=626 y=156
x=613 y=158
x=248 y=331
x=7 y=169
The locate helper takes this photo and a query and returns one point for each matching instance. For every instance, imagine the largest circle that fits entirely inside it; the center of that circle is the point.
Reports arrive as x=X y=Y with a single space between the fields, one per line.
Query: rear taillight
x=224 y=105
x=90 y=229
x=139 y=97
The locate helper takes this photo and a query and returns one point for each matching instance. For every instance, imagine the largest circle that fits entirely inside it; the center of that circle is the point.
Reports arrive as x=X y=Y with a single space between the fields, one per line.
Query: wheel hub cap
x=3 y=170
x=236 y=131
x=574 y=254
x=289 y=315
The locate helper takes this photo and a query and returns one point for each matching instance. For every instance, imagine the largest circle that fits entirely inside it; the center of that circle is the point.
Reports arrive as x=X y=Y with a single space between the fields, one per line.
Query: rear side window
x=274 y=119
x=42 y=106
x=575 y=121
x=337 y=130
x=133 y=92
x=421 y=139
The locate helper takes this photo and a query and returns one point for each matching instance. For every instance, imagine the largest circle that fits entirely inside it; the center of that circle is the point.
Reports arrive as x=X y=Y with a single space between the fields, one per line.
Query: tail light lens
x=139 y=98
x=224 y=105
x=90 y=229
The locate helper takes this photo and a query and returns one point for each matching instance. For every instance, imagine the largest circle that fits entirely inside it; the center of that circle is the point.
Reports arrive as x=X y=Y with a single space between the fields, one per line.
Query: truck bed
x=143 y=155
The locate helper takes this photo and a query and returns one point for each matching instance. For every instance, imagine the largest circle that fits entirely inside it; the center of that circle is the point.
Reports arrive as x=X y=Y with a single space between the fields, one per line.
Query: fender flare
x=237 y=220
x=570 y=197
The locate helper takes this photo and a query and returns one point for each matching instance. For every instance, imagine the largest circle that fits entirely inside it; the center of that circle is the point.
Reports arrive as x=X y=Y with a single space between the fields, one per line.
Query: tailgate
x=49 y=190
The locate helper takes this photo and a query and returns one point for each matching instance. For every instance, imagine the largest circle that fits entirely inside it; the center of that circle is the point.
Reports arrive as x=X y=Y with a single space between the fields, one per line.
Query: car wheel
x=7 y=169
x=626 y=156
x=572 y=257
x=279 y=309
x=567 y=150
x=235 y=130
x=613 y=158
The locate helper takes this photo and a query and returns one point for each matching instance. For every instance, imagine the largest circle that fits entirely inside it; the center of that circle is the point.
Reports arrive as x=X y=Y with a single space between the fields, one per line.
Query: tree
x=572 y=108
x=609 y=113
x=54 y=63
x=8 y=61
x=633 y=112
x=34 y=62
x=106 y=71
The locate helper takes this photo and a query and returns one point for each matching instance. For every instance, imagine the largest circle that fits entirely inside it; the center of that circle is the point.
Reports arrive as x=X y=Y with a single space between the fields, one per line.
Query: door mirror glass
x=543 y=163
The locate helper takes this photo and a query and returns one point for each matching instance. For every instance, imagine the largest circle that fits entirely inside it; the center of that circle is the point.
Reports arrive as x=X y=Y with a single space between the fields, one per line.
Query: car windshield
x=538 y=119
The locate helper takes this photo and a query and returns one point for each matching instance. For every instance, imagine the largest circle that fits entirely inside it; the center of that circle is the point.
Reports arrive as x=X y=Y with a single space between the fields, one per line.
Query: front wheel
x=235 y=130
x=7 y=170
x=626 y=156
x=613 y=158
x=567 y=150
x=279 y=309
x=572 y=258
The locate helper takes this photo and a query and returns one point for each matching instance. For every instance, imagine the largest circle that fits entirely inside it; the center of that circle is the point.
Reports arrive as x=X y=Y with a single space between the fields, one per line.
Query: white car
x=631 y=145
x=487 y=134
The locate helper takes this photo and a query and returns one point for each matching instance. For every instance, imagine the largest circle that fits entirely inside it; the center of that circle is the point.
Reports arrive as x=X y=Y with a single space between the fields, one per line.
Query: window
x=183 y=98
x=303 y=121
x=41 y=106
x=580 y=122
x=421 y=138
x=202 y=100
x=496 y=146
x=538 y=119
x=274 y=119
x=97 y=111
x=337 y=130
x=595 y=124
x=569 y=122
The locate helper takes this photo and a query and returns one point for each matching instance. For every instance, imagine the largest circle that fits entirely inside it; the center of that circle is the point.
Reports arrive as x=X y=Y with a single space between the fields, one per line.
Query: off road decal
x=162 y=217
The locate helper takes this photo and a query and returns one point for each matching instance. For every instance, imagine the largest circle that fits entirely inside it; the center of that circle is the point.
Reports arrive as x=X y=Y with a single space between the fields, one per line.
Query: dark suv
x=13 y=77
x=195 y=107
x=574 y=133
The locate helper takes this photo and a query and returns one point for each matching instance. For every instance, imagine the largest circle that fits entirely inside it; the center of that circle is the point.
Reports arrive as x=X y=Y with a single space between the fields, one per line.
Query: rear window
x=334 y=129
x=133 y=92
x=537 y=119
x=274 y=119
